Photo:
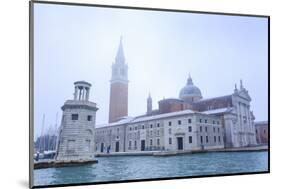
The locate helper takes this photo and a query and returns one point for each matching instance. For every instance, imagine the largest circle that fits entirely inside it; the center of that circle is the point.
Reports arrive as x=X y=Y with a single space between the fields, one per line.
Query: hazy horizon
x=74 y=43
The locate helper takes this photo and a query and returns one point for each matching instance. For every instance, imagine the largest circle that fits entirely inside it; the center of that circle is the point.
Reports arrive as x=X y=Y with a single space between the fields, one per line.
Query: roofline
x=83 y=82
x=152 y=119
x=260 y=122
x=207 y=99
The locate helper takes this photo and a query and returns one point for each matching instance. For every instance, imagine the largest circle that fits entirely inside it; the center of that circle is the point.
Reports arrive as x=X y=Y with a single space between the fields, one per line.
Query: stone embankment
x=53 y=163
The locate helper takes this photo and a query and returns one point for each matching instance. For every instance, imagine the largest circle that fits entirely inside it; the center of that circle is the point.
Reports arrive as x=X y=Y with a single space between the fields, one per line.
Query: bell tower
x=118 y=104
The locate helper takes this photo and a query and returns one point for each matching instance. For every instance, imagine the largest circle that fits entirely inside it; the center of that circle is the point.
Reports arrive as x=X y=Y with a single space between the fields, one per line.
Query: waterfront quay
x=182 y=152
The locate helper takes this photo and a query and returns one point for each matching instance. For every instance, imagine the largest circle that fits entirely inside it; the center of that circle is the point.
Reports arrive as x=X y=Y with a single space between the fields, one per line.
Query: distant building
x=185 y=123
x=76 y=134
x=262 y=132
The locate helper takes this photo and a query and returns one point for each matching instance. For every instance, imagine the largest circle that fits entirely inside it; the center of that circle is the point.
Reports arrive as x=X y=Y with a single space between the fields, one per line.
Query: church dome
x=190 y=92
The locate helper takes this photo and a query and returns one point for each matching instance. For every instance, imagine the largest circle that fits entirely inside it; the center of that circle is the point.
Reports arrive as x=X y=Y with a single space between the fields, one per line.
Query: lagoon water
x=148 y=167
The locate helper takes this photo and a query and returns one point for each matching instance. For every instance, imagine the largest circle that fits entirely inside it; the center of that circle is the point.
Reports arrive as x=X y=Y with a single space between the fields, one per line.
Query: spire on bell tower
x=119 y=67
x=120 y=57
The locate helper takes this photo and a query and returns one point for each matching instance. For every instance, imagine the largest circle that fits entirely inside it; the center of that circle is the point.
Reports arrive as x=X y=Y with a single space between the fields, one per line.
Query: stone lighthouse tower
x=118 y=105
x=76 y=135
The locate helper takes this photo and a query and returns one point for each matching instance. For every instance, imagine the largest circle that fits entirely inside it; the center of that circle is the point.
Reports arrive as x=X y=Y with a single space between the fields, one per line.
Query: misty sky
x=80 y=43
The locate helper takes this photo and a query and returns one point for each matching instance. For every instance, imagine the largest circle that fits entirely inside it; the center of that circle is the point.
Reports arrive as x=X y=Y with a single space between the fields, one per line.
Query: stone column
x=252 y=130
x=87 y=93
x=244 y=137
x=239 y=122
x=247 y=126
x=252 y=127
x=80 y=93
x=242 y=129
x=75 y=93
x=83 y=93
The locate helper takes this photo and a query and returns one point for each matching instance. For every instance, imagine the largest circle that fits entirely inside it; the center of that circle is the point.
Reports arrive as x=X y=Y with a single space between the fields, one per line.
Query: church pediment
x=244 y=94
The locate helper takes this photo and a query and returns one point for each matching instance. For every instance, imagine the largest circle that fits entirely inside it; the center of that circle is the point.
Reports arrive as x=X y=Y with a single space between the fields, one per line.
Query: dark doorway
x=101 y=148
x=142 y=145
x=180 y=143
x=117 y=146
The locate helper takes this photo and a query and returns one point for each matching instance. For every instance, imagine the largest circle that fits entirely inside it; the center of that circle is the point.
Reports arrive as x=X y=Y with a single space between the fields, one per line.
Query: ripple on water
x=147 y=167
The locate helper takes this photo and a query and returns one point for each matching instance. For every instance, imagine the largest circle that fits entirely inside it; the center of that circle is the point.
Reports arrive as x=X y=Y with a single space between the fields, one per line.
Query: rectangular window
x=170 y=140
x=189 y=120
x=170 y=123
x=206 y=121
x=190 y=139
x=158 y=124
x=201 y=139
x=218 y=122
x=74 y=116
x=158 y=142
x=151 y=142
x=206 y=129
x=89 y=118
x=215 y=139
x=130 y=144
x=218 y=130
x=213 y=121
x=136 y=128
x=219 y=138
x=207 y=139
x=151 y=125
x=214 y=129
x=170 y=131
x=200 y=128
x=200 y=120
x=142 y=126
x=179 y=122
x=189 y=129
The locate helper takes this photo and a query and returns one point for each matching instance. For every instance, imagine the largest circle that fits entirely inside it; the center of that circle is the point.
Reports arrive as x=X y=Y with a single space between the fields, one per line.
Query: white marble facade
x=240 y=120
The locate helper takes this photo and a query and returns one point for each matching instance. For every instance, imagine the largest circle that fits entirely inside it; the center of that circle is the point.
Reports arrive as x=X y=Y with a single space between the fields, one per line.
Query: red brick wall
x=167 y=106
x=262 y=133
x=118 y=105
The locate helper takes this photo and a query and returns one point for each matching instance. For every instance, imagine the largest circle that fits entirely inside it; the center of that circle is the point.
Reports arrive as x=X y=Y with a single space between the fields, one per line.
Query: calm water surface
x=146 y=167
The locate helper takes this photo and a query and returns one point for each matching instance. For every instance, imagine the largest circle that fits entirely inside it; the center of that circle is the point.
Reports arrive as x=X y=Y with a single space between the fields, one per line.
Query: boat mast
x=56 y=133
x=42 y=132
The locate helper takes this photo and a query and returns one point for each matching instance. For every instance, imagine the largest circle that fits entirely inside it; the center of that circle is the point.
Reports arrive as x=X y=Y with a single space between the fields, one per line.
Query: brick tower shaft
x=118 y=104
